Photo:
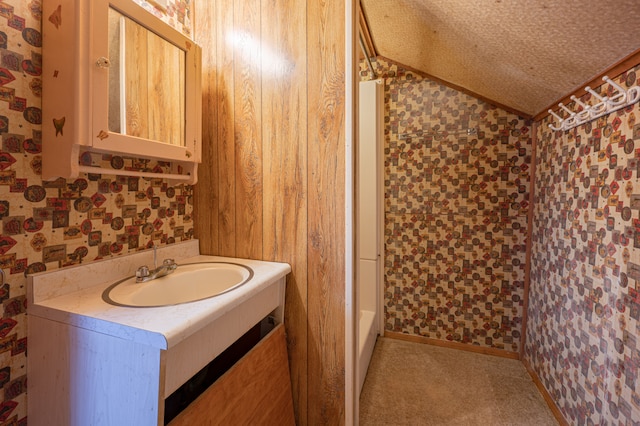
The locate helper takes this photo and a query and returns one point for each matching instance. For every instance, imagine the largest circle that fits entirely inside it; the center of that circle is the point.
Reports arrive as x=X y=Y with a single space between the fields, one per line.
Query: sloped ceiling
x=523 y=54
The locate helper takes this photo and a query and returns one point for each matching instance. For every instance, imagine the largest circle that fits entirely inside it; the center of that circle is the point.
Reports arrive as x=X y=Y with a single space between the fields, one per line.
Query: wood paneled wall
x=271 y=185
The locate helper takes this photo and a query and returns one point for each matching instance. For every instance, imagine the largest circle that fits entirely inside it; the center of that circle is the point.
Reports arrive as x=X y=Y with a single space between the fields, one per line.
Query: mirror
x=146 y=95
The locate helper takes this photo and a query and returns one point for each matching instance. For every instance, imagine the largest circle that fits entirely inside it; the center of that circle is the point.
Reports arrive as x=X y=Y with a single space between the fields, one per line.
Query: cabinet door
x=256 y=391
x=146 y=84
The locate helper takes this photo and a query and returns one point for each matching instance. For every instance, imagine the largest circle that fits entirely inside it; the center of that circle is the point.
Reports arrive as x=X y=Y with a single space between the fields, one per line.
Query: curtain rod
x=366 y=56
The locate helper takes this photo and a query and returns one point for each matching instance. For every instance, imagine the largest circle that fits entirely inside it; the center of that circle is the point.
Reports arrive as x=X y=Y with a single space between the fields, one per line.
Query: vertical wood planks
x=225 y=90
x=206 y=194
x=284 y=120
x=277 y=184
x=245 y=39
x=326 y=137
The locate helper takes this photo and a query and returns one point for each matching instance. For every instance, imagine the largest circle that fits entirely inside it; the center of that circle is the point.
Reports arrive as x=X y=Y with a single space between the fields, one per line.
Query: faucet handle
x=169 y=263
x=143 y=272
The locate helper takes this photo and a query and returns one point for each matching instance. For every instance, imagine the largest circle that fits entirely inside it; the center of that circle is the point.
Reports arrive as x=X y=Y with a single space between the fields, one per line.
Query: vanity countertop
x=74 y=296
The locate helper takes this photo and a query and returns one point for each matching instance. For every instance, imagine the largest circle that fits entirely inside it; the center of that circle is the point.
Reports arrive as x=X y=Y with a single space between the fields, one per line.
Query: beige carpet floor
x=417 y=384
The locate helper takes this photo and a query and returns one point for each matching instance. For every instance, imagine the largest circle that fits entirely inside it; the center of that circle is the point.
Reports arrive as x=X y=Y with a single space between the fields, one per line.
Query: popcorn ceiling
x=522 y=54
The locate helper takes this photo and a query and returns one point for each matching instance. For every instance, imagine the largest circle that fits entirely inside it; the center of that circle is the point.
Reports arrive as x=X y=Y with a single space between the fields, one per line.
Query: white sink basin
x=188 y=283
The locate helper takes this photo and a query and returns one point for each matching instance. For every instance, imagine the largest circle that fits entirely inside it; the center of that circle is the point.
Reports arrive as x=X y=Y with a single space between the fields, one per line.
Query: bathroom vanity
x=95 y=363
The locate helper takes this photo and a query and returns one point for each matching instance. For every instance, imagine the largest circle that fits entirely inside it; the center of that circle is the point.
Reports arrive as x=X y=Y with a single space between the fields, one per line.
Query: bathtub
x=368 y=335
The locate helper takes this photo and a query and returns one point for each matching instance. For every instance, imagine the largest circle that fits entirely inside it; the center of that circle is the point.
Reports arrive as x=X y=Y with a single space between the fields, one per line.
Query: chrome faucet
x=144 y=274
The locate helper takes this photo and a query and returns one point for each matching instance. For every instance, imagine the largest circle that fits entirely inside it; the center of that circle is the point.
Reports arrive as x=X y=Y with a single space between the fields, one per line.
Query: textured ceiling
x=523 y=54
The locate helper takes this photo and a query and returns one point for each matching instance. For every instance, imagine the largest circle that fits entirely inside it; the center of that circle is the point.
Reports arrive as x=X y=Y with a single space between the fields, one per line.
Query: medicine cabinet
x=119 y=81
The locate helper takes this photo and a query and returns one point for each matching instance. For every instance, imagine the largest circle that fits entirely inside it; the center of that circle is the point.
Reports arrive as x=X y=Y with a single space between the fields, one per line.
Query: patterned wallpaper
x=177 y=13
x=456 y=203
x=49 y=225
x=583 y=330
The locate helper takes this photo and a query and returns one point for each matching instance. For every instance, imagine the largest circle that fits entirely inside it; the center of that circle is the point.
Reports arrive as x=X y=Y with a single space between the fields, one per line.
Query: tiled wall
x=583 y=330
x=48 y=225
x=455 y=213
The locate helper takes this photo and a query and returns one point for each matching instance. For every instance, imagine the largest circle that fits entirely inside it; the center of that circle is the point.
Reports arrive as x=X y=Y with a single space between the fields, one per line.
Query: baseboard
x=543 y=391
x=452 y=345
